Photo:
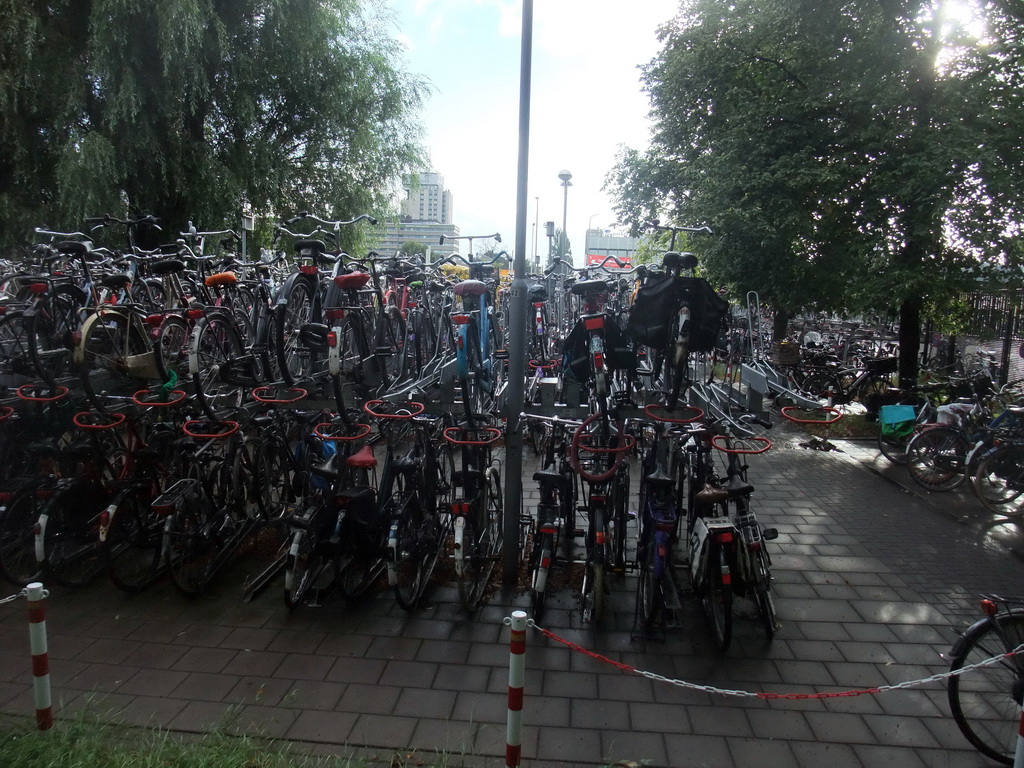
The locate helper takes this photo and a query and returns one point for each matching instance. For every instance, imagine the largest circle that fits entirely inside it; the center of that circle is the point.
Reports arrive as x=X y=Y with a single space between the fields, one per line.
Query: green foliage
x=188 y=108
x=849 y=155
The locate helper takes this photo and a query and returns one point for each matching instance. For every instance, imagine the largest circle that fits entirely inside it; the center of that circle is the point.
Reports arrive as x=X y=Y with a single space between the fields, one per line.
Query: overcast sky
x=586 y=101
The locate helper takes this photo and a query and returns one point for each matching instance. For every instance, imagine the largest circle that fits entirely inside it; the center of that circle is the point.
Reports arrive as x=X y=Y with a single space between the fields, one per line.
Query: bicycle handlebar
x=627 y=442
x=328 y=222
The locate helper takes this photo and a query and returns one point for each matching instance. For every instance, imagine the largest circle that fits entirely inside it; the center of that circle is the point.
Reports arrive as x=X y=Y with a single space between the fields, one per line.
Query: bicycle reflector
x=154 y=321
x=989 y=607
x=594 y=323
x=334 y=314
x=37 y=288
x=460 y=319
x=332 y=339
x=308 y=269
x=194 y=314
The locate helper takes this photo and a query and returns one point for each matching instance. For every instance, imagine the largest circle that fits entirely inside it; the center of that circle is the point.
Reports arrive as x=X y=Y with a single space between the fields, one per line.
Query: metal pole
x=517 y=322
x=516 y=680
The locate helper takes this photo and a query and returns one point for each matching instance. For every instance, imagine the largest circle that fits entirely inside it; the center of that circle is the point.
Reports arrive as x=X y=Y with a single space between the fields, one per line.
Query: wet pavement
x=873 y=578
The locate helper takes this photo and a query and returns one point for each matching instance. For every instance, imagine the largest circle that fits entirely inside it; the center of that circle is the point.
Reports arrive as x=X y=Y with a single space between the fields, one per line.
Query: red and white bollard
x=516 y=678
x=1018 y=757
x=40 y=655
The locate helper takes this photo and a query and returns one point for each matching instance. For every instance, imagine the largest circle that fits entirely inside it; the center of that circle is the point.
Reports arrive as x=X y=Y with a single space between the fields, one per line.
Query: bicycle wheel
x=894 y=447
x=594 y=586
x=193 y=547
x=822 y=385
x=619 y=521
x=305 y=559
x=936 y=458
x=71 y=535
x=762 y=588
x=133 y=542
x=481 y=544
x=649 y=599
x=112 y=349
x=471 y=370
x=49 y=330
x=14 y=353
x=215 y=344
x=293 y=359
x=542 y=552
x=999 y=481
x=391 y=342
x=171 y=349
x=408 y=554
x=985 y=702
x=717 y=597
x=17 y=541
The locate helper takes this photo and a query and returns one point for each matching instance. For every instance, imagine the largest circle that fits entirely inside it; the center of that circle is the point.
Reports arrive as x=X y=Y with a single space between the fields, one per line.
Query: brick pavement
x=872 y=581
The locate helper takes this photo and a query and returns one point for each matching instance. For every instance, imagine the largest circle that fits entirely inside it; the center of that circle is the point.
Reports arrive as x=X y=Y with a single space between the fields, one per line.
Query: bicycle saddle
x=711 y=494
x=548 y=474
x=589 y=287
x=470 y=288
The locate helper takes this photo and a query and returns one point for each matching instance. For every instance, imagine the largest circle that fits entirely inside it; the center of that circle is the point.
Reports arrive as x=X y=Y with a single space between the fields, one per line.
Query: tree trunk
x=781 y=324
x=910 y=341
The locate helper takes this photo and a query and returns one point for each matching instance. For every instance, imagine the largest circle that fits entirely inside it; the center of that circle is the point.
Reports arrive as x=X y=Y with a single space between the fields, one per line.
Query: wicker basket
x=786 y=353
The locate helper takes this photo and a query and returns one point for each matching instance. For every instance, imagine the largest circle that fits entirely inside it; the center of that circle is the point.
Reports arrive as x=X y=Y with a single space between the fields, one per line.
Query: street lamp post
x=566 y=177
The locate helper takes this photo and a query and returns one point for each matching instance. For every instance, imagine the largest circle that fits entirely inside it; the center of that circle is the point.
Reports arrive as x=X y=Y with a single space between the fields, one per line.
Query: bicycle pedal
x=769 y=533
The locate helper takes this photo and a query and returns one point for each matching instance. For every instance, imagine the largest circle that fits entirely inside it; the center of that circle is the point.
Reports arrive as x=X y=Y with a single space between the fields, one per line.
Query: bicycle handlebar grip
x=650 y=411
x=492 y=435
x=721 y=443
x=230 y=427
x=364 y=430
x=83 y=420
x=416 y=410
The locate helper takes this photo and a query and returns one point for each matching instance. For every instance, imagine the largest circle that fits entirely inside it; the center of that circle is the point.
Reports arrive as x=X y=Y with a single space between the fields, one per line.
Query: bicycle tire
x=409 y=556
x=392 y=342
x=111 y=342
x=171 y=349
x=133 y=545
x=763 y=593
x=15 y=357
x=49 y=331
x=894 y=447
x=540 y=566
x=620 y=521
x=649 y=591
x=594 y=579
x=71 y=543
x=482 y=540
x=193 y=548
x=717 y=598
x=304 y=561
x=822 y=385
x=293 y=359
x=982 y=702
x=936 y=457
x=999 y=481
x=216 y=343
x=17 y=541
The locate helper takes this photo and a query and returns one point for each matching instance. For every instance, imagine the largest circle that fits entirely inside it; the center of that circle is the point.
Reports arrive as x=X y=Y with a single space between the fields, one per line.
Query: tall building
x=424 y=215
x=428 y=200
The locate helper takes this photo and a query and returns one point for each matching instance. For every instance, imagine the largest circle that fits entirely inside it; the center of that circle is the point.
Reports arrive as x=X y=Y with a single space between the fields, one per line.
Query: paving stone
x=202 y=686
x=323 y=726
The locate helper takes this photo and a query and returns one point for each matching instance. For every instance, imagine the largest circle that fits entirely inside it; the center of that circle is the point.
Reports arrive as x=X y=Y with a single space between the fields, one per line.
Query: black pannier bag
x=576 y=350
x=708 y=311
x=656 y=304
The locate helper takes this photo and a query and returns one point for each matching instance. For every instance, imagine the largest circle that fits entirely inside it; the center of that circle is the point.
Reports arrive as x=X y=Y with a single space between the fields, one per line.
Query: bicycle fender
x=967 y=636
x=284 y=292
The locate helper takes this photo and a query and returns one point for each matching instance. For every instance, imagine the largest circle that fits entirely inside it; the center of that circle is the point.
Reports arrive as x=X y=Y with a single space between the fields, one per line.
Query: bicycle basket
x=897 y=420
x=882 y=366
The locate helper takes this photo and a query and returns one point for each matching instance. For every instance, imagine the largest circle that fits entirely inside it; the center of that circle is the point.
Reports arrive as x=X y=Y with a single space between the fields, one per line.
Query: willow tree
x=188 y=109
x=849 y=154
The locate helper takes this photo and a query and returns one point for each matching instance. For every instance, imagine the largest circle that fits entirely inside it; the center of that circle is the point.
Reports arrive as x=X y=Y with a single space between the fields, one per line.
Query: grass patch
x=81 y=743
